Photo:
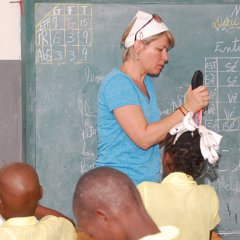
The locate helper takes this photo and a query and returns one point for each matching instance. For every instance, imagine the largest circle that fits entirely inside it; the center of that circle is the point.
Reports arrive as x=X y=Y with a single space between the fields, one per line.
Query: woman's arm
x=134 y=123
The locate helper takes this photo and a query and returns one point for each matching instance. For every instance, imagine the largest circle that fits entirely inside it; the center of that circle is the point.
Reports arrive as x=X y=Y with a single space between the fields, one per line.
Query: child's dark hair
x=185 y=153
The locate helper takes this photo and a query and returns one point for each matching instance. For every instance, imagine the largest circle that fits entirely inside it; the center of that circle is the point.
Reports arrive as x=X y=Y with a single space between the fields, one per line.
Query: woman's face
x=154 y=55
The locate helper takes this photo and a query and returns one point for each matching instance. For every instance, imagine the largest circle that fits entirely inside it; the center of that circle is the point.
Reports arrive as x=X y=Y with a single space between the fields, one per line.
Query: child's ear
x=167 y=162
x=41 y=192
x=103 y=218
x=1 y=205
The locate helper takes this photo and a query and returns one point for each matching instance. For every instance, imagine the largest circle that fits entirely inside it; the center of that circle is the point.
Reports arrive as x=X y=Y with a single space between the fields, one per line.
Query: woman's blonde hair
x=129 y=52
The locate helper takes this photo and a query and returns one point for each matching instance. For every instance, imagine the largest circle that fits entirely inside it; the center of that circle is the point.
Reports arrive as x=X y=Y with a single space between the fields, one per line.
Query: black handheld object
x=197 y=79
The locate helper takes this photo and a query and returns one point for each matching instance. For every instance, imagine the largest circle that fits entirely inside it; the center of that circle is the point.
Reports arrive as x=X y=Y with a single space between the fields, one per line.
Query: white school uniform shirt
x=166 y=233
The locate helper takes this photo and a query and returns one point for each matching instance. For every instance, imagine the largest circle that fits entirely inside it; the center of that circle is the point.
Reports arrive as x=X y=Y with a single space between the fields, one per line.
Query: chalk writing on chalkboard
x=222 y=76
x=231 y=23
x=222 y=79
x=64 y=35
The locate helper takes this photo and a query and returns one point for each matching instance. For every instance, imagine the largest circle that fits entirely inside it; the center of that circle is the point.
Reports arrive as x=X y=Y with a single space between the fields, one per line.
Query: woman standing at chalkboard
x=128 y=121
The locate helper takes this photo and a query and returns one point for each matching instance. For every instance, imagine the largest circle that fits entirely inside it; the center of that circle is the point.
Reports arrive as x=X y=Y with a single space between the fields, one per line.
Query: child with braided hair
x=178 y=200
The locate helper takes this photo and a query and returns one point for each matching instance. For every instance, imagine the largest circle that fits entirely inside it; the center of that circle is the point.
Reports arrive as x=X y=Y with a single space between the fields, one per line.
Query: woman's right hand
x=196 y=99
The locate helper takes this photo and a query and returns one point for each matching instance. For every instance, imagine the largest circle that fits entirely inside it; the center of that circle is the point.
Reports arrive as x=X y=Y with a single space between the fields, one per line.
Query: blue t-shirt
x=115 y=148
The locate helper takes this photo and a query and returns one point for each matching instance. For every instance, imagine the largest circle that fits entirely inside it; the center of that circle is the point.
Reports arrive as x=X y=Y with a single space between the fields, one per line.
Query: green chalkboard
x=72 y=46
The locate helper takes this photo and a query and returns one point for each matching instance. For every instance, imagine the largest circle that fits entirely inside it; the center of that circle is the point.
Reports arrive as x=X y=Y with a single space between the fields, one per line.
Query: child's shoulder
x=207 y=189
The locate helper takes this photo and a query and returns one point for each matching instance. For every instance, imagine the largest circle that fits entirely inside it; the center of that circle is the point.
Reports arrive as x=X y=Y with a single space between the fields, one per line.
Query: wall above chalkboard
x=75 y=45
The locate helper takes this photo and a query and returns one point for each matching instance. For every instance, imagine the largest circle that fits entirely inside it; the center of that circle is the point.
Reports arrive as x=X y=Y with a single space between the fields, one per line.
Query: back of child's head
x=20 y=190
x=185 y=153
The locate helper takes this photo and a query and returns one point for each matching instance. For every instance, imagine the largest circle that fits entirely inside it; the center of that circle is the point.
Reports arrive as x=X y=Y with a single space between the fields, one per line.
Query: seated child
x=108 y=206
x=20 y=192
x=178 y=200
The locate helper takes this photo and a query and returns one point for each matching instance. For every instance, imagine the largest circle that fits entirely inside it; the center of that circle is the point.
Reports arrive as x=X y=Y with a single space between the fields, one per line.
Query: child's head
x=184 y=155
x=20 y=190
x=104 y=198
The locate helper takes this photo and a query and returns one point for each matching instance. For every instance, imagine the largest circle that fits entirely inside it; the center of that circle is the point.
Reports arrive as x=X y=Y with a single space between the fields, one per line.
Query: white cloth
x=2 y=220
x=152 y=28
x=166 y=233
x=209 y=142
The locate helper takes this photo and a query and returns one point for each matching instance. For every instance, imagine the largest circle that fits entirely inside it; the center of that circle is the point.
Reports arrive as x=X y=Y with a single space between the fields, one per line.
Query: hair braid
x=185 y=153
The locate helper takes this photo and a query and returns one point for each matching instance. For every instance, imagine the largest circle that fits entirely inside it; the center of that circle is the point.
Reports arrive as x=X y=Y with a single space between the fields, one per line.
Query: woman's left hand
x=196 y=99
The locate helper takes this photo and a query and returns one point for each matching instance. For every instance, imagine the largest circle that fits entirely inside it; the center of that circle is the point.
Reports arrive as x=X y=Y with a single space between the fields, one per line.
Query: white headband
x=152 y=28
x=209 y=141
